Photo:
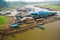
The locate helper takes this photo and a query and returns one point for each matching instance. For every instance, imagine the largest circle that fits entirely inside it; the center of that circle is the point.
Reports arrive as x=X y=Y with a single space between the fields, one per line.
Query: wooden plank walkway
x=32 y=26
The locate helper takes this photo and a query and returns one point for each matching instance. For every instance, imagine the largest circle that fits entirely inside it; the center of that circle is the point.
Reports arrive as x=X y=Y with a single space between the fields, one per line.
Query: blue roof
x=14 y=25
x=41 y=12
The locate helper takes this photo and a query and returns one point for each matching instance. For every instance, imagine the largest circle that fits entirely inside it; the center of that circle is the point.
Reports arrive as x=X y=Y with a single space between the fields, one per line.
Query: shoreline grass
x=54 y=6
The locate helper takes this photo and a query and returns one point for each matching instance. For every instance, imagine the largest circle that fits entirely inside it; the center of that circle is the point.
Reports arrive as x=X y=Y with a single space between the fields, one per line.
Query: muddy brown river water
x=51 y=32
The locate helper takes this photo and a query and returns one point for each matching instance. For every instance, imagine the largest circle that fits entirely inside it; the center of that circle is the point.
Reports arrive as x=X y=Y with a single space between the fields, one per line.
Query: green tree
x=3 y=4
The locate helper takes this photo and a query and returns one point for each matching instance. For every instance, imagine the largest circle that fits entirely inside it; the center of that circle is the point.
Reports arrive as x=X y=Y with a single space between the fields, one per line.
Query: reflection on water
x=52 y=32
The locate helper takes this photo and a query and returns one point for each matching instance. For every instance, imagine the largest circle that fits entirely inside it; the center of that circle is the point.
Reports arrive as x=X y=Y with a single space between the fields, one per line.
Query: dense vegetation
x=3 y=4
x=11 y=5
